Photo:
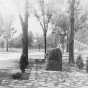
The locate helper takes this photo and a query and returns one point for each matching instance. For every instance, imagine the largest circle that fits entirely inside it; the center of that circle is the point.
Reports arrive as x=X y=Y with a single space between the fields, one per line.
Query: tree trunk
x=24 y=57
x=45 y=43
x=55 y=42
x=67 y=46
x=25 y=41
x=71 y=40
x=71 y=52
x=6 y=45
x=71 y=43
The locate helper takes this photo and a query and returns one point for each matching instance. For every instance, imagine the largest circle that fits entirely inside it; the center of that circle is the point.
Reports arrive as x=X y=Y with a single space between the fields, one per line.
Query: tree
x=71 y=40
x=16 y=42
x=78 y=20
x=30 y=39
x=7 y=30
x=60 y=24
x=44 y=18
x=51 y=43
x=39 y=41
x=24 y=24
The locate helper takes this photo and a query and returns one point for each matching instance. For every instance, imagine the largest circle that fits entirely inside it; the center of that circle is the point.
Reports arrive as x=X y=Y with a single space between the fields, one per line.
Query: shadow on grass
x=4 y=75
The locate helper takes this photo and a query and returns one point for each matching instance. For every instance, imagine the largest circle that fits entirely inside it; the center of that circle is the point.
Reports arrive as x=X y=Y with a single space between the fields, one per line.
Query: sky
x=11 y=8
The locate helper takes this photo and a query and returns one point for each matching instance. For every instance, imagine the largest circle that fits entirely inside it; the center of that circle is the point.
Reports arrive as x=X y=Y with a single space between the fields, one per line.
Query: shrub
x=21 y=76
x=55 y=60
x=17 y=75
x=87 y=65
x=79 y=62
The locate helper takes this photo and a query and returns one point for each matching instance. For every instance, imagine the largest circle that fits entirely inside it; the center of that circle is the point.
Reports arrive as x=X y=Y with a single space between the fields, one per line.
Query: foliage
x=80 y=16
x=61 y=28
x=16 y=42
x=61 y=23
x=79 y=62
x=40 y=42
x=50 y=41
x=7 y=30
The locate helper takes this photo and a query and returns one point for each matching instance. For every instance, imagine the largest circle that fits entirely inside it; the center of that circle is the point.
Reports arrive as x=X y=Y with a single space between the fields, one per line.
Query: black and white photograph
x=43 y=43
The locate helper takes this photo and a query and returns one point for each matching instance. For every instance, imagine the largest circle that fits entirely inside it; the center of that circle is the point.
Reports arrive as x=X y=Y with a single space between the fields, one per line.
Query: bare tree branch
x=38 y=18
x=21 y=19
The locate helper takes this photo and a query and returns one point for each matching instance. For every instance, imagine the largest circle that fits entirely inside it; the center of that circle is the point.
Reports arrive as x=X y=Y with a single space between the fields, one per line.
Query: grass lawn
x=70 y=76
